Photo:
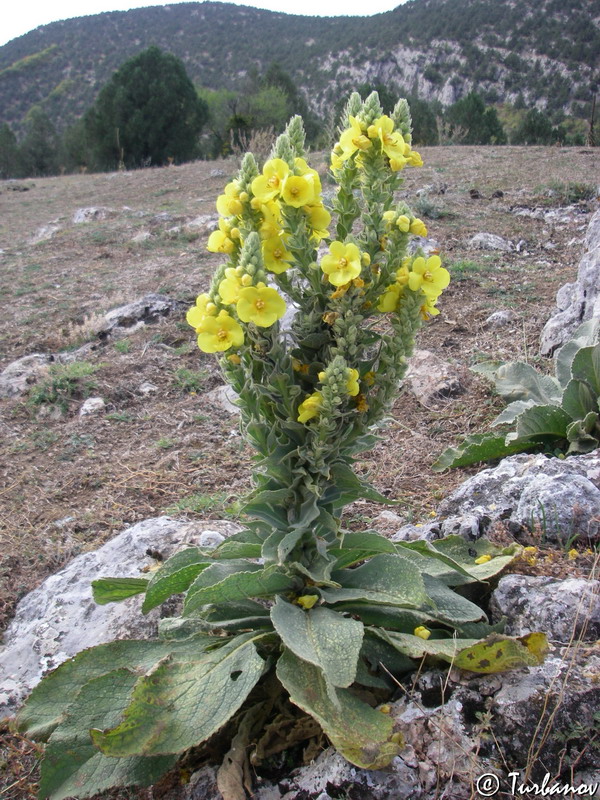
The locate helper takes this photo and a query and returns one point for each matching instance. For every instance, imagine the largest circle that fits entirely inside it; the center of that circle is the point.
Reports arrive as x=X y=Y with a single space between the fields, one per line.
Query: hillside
x=548 y=51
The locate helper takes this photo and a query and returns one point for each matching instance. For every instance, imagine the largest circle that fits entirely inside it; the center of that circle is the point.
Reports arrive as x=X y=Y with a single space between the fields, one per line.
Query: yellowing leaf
x=499 y=653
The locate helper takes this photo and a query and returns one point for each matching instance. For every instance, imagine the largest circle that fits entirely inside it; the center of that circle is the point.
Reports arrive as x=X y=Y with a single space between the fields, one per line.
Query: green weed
x=190 y=380
x=64 y=383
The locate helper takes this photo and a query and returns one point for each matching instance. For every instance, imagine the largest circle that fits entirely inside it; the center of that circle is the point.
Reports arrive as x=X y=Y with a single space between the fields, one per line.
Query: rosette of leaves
x=294 y=612
x=554 y=414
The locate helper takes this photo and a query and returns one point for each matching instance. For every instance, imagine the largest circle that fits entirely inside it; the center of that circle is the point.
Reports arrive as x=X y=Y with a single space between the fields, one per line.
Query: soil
x=68 y=483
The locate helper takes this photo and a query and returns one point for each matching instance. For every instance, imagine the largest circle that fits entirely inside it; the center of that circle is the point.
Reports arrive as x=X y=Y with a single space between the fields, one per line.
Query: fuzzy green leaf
x=501 y=653
x=450 y=606
x=239 y=586
x=386 y=579
x=360 y=733
x=478 y=447
x=113 y=590
x=583 y=434
x=586 y=367
x=540 y=423
x=578 y=399
x=322 y=637
x=175 y=576
x=519 y=381
x=512 y=411
x=586 y=335
x=51 y=698
x=358 y=546
x=72 y=766
x=179 y=704
x=351 y=487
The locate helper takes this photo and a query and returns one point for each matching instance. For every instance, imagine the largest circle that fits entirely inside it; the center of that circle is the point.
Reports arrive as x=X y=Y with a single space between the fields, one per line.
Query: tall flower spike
x=353 y=107
x=248 y=171
x=402 y=119
x=297 y=135
x=283 y=149
x=371 y=109
x=251 y=260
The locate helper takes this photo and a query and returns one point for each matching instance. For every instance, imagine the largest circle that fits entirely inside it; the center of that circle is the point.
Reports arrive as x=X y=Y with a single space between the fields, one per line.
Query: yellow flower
x=429 y=276
x=572 y=554
x=307 y=600
x=369 y=378
x=397 y=163
x=483 y=559
x=220 y=241
x=319 y=220
x=418 y=227
x=216 y=334
x=403 y=222
x=428 y=309
x=388 y=301
x=303 y=169
x=229 y=204
x=414 y=159
x=272 y=222
x=343 y=263
x=422 y=632
x=298 y=190
x=277 y=259
x=353 y=139
x=268 y=185
x=196 y=313
x=392 y=143
x=337 y=162
x=310 y=407
x=261 y=305
x=352 y=386
x=230 y=287
x=402 y=275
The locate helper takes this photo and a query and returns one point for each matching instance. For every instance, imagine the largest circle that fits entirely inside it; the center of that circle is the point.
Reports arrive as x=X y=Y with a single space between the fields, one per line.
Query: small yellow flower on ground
x=261 y=305
x=229 y=204
x=572 y=554
x=310 y=408
x=343 y=263
x=277 y=259
x=429 y=276
x=422 y=632
x=307 y=601
x=268 y=185
x=483 y=559
x=216 y=334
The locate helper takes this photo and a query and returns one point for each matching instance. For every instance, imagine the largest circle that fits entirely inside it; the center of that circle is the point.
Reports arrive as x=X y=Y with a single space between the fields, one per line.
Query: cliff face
x=548 y=51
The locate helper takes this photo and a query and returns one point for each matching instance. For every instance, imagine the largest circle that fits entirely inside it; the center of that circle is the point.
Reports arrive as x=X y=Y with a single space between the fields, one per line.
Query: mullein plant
x=294 y=606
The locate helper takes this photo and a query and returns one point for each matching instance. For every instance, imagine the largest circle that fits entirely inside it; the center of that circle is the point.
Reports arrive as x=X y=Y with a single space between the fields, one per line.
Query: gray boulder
x=19 y=375
x=147 y=310
x=489 y=241
x=92 y=213
x=60 y=618
x=431 y=379
x=564 y=610
x=578 y=302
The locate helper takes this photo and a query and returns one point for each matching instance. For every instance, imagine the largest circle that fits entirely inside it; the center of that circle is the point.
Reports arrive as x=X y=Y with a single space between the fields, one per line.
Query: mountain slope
x=547 y=50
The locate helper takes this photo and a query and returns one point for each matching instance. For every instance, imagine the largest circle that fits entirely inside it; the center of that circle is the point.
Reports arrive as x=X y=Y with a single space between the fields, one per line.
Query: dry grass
x=67 y=483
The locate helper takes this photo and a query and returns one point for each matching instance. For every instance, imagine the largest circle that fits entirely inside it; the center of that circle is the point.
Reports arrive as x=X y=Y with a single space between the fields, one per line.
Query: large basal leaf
x=243 y=615
x=512 y=411
x=113 y=590
x=360 y=733
x=239 y=586
x=322 y=637
x=358 y=546
x=478 y=447
x=432 y=561
x=583 y=434
x=450 y=606
x=578 y=399
x=586 y=367
x=386 y=579
x=379 y=661
x=73 y=767
x=541 y=423
x=466 y=553
x=519 y=381
x=176 y=575
x=495 y=654
x=586 y=335
x=179 y=704
x=50 y=700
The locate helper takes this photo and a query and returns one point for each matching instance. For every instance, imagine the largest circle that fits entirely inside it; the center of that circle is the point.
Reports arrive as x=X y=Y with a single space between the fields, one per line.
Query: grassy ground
x=67 y=483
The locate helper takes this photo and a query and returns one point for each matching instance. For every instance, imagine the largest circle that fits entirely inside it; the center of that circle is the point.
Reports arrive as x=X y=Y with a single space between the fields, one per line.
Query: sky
x=23 y=16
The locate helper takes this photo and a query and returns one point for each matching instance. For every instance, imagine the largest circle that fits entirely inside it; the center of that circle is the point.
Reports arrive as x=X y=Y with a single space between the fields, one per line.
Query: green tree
x=40 y=147
x=149 y=112
x=472 y=123
x=534 y=128
x=10 y=157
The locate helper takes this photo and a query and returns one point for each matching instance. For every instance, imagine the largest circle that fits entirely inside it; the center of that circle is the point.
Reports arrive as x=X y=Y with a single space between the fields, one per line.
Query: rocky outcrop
x=579 y=301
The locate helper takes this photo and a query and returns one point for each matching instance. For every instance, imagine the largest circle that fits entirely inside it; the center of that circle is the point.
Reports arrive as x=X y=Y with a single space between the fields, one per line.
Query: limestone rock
x=225 y=397
x=60 y=618
x=92 y=213
x=93 y=405
x=45 y=232
x=19 y=375
x=203 y=224
x=562 y=609
x=432 y=379
x=142 y=236
x=146 y=310
x=500 y=319
x=559 y=496
x=579 y=302
x=489 y=241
